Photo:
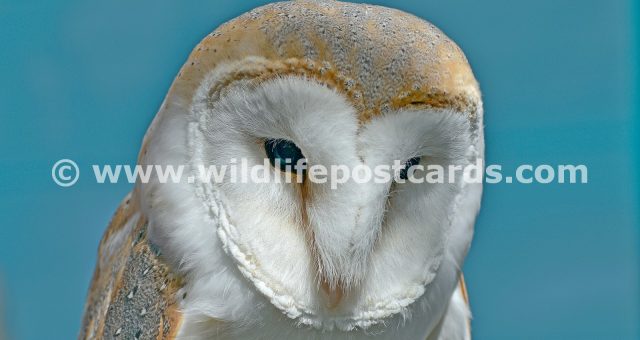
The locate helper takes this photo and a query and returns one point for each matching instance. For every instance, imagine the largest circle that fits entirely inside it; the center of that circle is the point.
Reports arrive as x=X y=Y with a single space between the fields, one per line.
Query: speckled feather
x=381 y=58
x=132 y=294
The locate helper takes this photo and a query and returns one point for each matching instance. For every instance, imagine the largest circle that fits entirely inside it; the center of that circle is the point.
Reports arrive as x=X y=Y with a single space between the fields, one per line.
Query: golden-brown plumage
x=132 y=293
x=381 y=58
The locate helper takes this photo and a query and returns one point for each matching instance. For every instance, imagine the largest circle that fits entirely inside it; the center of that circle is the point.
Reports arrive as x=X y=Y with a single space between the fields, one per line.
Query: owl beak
x=345 y=223
x=332 y=296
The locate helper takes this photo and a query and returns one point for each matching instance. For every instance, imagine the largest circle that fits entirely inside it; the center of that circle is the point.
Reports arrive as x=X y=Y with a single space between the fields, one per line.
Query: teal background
x=83 y=79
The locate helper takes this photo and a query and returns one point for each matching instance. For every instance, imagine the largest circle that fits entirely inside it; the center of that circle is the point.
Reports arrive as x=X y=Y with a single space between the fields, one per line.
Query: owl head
x=335 y=84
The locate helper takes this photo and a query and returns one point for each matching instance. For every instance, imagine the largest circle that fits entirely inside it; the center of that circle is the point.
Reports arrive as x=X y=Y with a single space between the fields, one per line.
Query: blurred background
x=83 y=79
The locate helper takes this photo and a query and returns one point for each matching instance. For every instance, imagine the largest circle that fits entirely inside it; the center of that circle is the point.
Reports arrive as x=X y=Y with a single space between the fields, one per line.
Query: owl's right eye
x=404 y=173
x=283 y=154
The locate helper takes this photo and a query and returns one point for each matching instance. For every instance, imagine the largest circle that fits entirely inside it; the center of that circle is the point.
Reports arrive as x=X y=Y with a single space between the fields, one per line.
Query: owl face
x=330 y=255
x=316 y=244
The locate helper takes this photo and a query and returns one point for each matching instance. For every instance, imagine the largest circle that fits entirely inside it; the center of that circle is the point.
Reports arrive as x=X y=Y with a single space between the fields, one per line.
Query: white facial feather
x=244 y=249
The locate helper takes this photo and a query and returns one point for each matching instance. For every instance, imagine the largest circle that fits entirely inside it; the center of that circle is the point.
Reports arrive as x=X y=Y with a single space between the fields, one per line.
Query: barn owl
x=335 y=83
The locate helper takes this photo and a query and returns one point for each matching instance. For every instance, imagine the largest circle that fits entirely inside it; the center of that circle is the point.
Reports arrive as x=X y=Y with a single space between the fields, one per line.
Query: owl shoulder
x=133 y=292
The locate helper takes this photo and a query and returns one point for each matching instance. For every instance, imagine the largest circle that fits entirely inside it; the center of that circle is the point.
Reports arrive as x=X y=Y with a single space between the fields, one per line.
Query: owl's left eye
x=283 y=154
x=404 y=173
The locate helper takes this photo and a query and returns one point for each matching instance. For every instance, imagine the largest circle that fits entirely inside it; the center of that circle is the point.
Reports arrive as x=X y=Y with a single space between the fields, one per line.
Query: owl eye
x=404 y=173
x=283 y=152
